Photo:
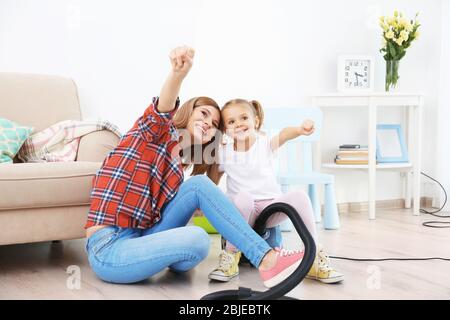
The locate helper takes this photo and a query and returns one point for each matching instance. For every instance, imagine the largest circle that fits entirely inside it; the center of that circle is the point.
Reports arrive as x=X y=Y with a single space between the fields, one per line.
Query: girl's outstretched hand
x=289 y=133
x=182 y=59
x=307 y=128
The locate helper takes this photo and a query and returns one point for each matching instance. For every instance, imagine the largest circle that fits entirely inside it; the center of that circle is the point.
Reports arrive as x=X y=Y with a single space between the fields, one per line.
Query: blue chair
x=298 y=156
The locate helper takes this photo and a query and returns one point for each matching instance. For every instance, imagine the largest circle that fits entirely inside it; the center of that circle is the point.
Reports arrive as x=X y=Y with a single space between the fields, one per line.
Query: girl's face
x=203 y=124
x=240 y=121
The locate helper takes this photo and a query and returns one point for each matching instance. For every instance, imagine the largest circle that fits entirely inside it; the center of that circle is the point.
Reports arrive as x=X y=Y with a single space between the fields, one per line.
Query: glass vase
x=391 y=74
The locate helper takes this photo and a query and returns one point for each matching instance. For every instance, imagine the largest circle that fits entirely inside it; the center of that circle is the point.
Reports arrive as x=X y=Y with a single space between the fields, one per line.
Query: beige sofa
x=46 y=201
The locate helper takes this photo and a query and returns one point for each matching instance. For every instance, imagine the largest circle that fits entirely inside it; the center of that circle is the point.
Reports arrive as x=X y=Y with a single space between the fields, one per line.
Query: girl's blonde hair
x=254 y=105
x=181 y=120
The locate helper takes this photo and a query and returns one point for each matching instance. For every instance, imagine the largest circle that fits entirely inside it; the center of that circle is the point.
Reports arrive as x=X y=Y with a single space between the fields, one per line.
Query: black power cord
x=390 y=259
x=436 y=224
x=431 y=224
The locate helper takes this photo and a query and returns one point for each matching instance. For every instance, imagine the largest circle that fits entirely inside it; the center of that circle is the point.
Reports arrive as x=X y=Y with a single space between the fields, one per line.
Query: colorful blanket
x=60 y=141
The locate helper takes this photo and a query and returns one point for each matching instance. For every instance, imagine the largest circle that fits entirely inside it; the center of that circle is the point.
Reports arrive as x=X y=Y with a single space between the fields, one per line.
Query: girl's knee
x=245 y=203
x=244 y=198
x=298 y=199
x=298 y=192
x=298 y=195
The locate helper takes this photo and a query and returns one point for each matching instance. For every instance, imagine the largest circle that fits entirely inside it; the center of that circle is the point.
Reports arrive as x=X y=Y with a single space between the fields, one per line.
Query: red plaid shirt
x=140 y=175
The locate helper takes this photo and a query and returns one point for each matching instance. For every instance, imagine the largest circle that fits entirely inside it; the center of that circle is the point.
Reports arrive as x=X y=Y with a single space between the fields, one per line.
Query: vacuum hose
x=278 y=291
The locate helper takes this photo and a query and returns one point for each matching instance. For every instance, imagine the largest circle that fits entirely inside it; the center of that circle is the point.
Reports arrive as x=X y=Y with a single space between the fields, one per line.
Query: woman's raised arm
x=181 y=59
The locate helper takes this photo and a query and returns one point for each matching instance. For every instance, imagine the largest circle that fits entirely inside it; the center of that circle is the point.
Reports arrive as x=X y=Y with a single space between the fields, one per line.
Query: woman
x=140 y=205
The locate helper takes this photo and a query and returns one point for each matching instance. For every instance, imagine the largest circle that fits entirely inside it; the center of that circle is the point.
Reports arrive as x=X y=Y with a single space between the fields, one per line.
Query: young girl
x=252 y=184
x=140 y=204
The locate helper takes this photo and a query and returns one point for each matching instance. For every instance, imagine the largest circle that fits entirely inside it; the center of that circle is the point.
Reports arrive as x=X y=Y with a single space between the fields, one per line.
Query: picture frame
x=391 y=146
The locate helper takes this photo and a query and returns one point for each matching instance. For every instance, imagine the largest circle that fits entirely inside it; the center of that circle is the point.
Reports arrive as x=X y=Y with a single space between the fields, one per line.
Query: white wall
x=442 y=159
x=279 y=52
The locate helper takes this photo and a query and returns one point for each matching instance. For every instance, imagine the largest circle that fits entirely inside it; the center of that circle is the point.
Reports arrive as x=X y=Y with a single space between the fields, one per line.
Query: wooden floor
x=38 y=271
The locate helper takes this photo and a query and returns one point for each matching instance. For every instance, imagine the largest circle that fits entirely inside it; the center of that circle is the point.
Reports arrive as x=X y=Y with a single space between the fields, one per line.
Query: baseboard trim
x=426 y=202
x=349 y=207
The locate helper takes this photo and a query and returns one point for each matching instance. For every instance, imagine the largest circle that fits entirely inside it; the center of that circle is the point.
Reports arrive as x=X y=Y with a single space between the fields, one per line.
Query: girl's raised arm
x=290 y=133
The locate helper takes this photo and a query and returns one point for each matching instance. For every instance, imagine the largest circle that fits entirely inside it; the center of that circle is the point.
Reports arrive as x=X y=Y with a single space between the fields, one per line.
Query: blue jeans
x=127 y=255
x=273 y=237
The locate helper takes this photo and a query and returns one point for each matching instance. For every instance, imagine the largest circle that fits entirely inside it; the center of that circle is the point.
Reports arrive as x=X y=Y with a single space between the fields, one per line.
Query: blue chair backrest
x=275 y=119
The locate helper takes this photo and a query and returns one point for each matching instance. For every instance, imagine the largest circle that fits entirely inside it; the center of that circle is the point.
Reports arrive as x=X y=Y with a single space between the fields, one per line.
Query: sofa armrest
x=95 y=146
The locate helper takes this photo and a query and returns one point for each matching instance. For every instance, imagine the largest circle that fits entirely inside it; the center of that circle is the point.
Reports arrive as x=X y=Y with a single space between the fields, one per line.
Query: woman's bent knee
x=200 y=181
x=198 y=240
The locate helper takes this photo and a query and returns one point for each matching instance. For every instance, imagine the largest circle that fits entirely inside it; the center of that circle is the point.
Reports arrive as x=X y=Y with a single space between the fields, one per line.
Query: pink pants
x=251 y=208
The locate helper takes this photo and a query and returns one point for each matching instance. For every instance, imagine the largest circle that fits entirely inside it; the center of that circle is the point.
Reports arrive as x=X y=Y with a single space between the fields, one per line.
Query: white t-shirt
x=252 y=171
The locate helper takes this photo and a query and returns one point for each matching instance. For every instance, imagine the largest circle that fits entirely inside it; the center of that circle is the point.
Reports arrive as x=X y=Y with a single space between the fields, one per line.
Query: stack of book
x=352 y=154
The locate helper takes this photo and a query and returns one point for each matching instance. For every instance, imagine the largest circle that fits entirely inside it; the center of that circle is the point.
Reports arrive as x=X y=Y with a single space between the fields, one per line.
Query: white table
x=413 y=104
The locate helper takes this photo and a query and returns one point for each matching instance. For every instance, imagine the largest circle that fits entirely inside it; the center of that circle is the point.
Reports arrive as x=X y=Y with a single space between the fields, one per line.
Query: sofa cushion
x=38 y=100
x=12 y=137
x=40 y=185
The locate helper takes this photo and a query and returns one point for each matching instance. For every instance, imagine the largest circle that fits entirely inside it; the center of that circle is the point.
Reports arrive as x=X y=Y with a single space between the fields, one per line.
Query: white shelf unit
x=413 y=104
x=407 y=166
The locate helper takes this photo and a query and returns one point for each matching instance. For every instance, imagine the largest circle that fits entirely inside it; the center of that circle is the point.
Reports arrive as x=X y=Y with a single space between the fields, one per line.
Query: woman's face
x=240 y=122
x=203 y=124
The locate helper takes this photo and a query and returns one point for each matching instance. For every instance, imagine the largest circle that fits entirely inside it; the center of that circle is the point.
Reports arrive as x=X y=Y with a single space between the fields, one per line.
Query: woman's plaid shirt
x=140 y=175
